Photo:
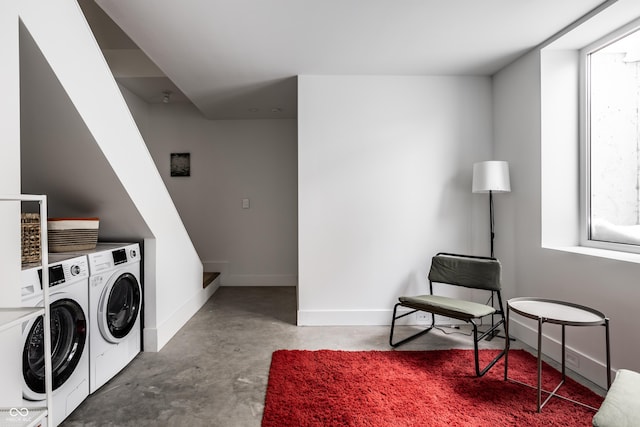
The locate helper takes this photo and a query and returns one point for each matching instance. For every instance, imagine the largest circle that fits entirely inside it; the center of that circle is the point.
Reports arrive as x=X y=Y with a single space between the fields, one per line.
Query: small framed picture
x=180 y=164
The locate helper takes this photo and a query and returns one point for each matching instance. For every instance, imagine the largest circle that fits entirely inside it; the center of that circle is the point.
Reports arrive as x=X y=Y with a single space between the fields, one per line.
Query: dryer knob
x=75 y=270
x=133 y=253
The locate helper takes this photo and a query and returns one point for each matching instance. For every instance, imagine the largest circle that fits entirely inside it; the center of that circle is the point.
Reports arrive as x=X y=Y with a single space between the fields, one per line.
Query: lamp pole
x=491 y=220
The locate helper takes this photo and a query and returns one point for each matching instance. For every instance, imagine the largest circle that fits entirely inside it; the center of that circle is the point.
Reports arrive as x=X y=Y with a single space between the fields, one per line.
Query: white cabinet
x=14 y=317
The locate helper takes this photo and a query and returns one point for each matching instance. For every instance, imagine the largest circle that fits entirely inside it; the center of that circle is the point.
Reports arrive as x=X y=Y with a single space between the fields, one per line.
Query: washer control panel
x=61 y=273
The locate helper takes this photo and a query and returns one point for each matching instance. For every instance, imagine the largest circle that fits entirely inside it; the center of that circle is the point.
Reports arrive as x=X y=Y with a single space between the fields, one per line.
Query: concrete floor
x=214 y=371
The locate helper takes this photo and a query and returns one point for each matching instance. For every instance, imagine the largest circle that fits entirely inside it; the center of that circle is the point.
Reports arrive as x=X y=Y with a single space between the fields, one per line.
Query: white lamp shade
x=492 y=176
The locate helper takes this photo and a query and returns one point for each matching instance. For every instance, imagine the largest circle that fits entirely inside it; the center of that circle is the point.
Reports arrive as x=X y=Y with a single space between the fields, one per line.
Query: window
x=612 y=141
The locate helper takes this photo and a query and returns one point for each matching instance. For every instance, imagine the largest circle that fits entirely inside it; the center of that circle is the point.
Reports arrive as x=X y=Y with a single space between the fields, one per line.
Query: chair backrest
x=468 y=271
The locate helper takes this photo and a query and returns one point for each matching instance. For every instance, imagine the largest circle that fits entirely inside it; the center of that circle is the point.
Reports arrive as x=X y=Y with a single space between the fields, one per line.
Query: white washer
x=115 y=303
x=69 y=303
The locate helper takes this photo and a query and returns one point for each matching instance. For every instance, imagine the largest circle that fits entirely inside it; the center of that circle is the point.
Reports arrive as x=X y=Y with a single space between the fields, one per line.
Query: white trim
x=221 y=267
x=259 y=280
x=612 y=37
x=381 y=317
x=609 y=246
x=229 y=279
x=585 y=139
x=344 y=317
x=576 y=24
x=584 y=135
x=598 y=252
x=156 y=338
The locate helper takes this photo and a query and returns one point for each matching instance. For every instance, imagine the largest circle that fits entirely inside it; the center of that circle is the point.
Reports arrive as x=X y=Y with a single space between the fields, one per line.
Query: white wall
x=232 y=160
x=559 y=161
x=139 y=109
x=384 y=183
x=536 y=129
x=604 y=284
x=10 y=359
x=173 y=282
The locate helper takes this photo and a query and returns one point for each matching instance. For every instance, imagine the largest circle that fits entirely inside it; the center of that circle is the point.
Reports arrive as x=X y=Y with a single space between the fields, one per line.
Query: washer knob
x=133 y=253
x=75 y=270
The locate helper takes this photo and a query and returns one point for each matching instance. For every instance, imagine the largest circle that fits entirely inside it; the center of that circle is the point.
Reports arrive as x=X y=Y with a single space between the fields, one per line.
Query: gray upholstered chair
x=460 y=270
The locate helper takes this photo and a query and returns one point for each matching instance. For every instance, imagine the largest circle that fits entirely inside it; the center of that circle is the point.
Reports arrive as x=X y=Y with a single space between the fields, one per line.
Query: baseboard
x=589 y=368
x=211 y=289
x=259 y=280
x=228 y=279
x=156 y=338
x=362 y=318
x=220 y=266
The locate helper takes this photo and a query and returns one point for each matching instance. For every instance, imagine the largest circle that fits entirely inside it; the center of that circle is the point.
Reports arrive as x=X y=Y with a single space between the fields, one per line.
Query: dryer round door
x=68 y=339
x=119 y=307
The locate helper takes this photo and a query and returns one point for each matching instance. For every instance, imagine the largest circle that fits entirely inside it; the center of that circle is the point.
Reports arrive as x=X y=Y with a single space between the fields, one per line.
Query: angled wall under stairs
x=81 y=146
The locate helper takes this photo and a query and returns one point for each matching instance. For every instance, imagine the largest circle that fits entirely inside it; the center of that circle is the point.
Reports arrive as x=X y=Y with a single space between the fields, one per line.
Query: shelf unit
x=13 y=317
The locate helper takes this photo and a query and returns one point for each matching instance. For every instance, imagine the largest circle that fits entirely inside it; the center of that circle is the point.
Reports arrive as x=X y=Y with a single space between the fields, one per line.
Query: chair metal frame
x=490 y=333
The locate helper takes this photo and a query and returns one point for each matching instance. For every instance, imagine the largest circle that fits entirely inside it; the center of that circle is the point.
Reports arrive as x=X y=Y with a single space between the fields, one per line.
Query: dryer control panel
x=109 y=258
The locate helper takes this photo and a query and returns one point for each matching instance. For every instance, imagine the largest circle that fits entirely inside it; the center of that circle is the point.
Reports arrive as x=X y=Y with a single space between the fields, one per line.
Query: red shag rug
x=414 y=388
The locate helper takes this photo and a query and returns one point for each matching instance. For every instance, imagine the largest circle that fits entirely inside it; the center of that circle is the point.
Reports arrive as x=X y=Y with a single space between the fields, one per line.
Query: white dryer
x=69 y=303
x=115 y=305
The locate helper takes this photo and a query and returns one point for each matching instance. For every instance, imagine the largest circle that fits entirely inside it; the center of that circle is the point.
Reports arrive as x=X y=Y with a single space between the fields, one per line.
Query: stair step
x=208 y=278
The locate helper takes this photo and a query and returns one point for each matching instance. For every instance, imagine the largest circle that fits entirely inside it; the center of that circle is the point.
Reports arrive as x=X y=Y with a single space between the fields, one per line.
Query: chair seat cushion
x=450 y=307
x=621 y=406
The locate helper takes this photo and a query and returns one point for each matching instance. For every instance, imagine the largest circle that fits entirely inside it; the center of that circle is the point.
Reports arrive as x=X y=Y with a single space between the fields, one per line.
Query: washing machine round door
x=119 y=307
x=68 y=339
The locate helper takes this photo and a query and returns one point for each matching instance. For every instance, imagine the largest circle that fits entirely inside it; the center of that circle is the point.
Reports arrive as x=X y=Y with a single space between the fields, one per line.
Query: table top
x=559 y=312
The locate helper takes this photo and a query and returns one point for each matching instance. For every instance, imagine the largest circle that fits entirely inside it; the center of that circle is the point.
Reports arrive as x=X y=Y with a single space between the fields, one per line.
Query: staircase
x=208 y=278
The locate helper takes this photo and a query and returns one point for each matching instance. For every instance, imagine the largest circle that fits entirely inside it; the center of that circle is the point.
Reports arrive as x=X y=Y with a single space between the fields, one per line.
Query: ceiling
x=239 y=59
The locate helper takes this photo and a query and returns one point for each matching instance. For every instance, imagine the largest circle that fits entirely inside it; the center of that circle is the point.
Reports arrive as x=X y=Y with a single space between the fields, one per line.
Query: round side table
x=559 y=313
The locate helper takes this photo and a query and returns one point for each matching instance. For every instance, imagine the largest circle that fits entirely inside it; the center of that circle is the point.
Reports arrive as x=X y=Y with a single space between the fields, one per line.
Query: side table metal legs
x=606 y=328
x=541 y=320
x=506 y=345
x=540 y=363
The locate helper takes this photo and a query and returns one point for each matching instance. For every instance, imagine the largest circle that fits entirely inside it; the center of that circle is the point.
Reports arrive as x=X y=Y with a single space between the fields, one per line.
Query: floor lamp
x=491 y=177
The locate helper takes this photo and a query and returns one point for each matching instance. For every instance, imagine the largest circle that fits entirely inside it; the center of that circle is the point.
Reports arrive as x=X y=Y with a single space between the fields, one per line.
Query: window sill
x=597 y=252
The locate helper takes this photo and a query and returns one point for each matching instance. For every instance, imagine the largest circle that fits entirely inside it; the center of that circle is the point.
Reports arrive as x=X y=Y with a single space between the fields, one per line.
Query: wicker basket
x=30 y=225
